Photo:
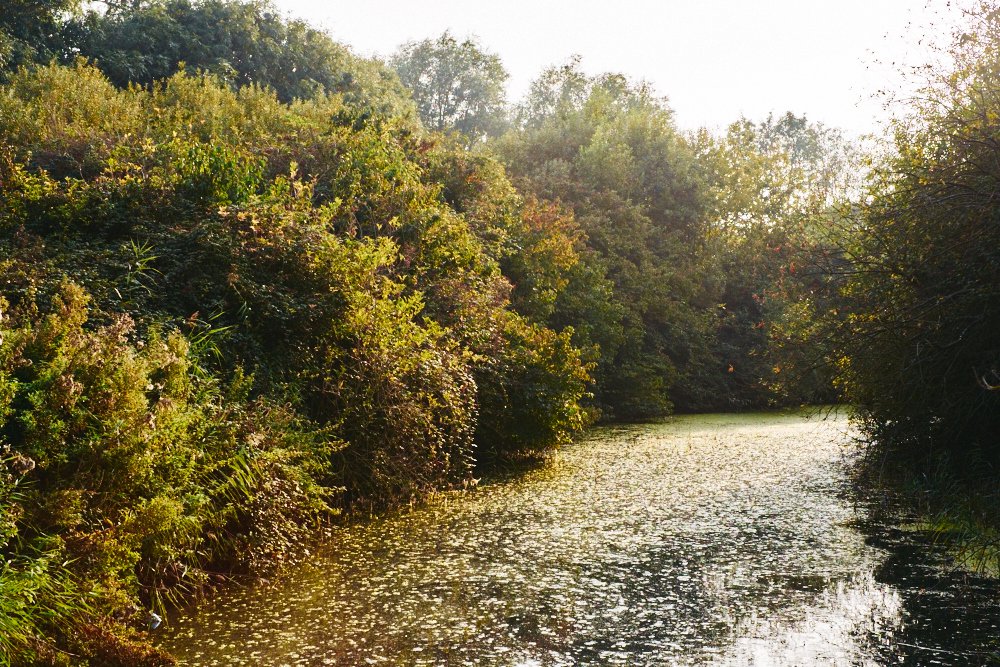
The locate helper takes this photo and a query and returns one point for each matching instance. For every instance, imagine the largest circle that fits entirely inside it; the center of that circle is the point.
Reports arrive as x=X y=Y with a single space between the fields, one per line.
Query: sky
x=714 y=60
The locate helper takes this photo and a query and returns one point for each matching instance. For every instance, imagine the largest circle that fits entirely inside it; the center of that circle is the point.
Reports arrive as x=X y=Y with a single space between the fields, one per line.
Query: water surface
x=709 y=540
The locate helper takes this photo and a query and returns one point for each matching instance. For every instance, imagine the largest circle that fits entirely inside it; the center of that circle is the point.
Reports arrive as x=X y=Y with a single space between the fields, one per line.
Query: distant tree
x=241 y=43
x=456 y=85
x=773 y=184
x=557 y=89
x=565 y=89
x=607 y=148
x=31 y=31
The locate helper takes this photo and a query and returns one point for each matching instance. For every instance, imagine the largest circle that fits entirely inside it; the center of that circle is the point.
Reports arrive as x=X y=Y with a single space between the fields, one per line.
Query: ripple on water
x=713 y=539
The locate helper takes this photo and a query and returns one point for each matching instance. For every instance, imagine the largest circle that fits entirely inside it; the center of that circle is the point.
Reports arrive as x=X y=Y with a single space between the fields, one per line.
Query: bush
x=531 y=393
x=227 y=319
x=918 y=350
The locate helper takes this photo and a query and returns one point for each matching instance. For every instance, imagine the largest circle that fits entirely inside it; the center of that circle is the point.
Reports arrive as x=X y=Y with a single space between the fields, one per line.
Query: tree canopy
x=32 y=31
x=457 y=86
x=918 y=346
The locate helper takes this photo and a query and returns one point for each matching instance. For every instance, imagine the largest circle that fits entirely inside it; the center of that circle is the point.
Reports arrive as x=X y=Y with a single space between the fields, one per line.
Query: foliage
x=456 y=85
x=775 y=186
x=32 y=31
x=691 y=249
x=608 y=150
x=228 y=318
x=918 y=348
x=240 y=43
x=530 y=393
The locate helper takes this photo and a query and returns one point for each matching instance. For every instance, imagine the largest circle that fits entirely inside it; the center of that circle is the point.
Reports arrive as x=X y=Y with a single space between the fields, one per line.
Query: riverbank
x=962 y=517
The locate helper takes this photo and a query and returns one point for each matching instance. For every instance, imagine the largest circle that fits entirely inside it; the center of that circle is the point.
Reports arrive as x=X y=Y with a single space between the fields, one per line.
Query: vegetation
x=919 y=268
x=924 y=279
x=456 y=86
x=32 y=31
x=248 y=292
x=689 y=241
x=227 y=318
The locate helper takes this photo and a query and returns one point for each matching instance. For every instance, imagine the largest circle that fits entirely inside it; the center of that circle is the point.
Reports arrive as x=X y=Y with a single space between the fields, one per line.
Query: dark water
x=711 y=540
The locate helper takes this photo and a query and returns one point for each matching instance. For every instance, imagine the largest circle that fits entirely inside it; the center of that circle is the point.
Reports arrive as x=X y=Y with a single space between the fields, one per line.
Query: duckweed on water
x=708 y=540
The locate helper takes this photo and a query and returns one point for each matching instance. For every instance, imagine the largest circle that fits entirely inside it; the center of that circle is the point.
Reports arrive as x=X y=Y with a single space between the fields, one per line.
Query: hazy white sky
x=713 y=59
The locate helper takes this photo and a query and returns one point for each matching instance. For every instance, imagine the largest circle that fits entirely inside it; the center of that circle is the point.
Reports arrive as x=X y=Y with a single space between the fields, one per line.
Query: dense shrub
x=918 y=349
x=530 y=393
x=135 y=473
x=227 y=318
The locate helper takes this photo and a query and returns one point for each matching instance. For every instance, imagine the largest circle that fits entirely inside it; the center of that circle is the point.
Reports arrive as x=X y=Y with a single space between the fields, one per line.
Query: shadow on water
x=952 y=617
x=708 y=540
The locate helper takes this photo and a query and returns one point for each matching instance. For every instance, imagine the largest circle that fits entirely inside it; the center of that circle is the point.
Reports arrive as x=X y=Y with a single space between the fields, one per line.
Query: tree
x=456 y=85
x=556 y=90
x=31 y=31
x=919 y=347
x=607 y=148
x=774 y=184
x=241 y=43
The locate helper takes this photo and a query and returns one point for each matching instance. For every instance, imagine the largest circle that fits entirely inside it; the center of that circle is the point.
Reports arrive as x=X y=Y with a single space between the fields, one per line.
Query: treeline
x=918 y=264
x=228 y=317
x=690 y=244
x=251 y=280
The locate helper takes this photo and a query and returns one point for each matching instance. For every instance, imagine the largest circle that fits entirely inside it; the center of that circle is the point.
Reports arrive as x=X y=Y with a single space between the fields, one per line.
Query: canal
x=707 y=540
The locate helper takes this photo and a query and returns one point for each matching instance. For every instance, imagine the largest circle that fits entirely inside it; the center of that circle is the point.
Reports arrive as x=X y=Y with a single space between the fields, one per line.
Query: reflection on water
x=723 y=540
